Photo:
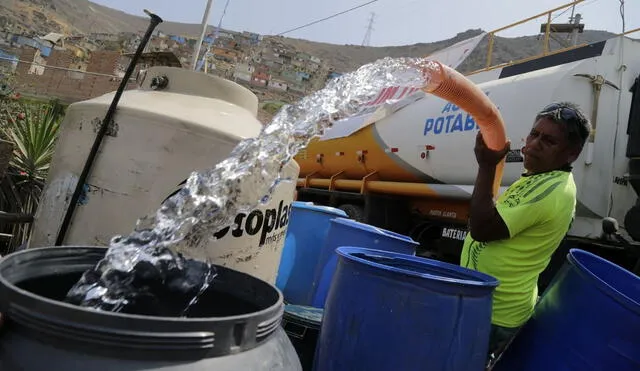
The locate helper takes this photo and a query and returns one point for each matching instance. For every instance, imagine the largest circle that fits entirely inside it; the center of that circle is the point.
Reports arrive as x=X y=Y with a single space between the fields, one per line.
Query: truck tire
x=354 y=212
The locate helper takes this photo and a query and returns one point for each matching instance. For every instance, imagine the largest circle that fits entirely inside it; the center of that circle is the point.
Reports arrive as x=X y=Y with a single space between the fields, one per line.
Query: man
x=513 y=240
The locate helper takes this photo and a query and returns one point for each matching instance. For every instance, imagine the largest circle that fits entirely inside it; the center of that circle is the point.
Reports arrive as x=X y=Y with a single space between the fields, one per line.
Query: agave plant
x=33 y=128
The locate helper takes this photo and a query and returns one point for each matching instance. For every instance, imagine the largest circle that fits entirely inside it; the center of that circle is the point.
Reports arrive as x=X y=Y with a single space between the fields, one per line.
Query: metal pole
x=205 y=57
x=205 y=20
x=490 y=49
x=155 y=21
x=547 y=32
x=574 y=32
x=536 y=16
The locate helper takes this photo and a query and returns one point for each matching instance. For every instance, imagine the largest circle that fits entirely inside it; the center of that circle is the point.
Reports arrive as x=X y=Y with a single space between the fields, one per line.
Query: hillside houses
x=225 y=54
x=274 y=66
x=263 y=64
x=247 y=58
x=243 y=72
x=279 y=85
x=260 y=78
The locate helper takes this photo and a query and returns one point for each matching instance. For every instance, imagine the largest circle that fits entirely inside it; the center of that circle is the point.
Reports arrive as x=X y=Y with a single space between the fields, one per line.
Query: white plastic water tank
x=157 y=139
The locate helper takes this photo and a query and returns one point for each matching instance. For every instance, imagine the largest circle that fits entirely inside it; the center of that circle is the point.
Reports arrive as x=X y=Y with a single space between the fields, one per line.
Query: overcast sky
x=396 y=22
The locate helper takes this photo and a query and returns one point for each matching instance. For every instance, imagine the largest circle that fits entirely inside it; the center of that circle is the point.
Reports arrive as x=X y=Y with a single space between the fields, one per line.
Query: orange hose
x=449 y=84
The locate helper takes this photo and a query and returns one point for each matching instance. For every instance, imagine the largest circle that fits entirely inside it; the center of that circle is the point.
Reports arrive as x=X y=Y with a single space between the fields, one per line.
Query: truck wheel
x=354 y=212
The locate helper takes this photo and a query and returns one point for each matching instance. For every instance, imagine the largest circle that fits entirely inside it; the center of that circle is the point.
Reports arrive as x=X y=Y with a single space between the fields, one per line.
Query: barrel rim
x=483 y=280
x=125 y=331
x=4 y=282
x=319 y=208
x=383 y=232
x=574 y=258
x=293 y=316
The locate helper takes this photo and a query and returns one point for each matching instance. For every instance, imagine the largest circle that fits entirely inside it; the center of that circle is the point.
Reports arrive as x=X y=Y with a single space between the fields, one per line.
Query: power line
x=622 y=15
x=327 y=18
x=573 y=8
x=57 y=67
x=212 y=39
x=562 y=12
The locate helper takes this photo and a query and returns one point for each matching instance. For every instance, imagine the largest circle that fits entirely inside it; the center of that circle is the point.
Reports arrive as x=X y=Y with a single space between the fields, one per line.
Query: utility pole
x=207 y=52
x=367 y=36
x=205 y=21
x=575 y=20
x=573 y=28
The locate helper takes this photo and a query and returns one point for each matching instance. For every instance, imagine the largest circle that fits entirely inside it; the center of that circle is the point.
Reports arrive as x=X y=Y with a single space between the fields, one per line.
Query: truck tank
x=424 y=151
x=176 y=122
x=431 y=141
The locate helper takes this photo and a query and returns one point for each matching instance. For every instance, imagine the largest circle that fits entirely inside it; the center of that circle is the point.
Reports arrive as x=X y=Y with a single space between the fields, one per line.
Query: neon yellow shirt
x=538 y=210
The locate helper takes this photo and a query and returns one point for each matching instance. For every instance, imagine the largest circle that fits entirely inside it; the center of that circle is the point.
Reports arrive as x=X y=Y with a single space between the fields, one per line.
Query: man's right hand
x=487 y=157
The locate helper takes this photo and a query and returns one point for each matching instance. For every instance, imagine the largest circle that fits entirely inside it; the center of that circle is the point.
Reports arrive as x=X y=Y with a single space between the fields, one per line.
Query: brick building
x=68 y=86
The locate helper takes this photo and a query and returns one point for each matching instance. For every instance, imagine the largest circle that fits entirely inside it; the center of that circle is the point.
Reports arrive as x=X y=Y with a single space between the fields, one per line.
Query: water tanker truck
x=412 y=171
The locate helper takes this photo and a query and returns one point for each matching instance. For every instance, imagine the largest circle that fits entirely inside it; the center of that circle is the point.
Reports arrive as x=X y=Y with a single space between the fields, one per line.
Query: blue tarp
x=303 y=75
x=6 y=57
x=45 y=51
x=23 y=40
x=179 y=39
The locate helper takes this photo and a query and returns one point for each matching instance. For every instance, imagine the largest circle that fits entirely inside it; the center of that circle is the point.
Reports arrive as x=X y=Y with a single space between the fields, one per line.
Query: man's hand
x=487 y=157
x=485 y=223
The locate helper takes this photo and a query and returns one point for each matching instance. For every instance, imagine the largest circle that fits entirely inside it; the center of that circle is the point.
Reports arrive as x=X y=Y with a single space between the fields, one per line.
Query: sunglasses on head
x=562 y=112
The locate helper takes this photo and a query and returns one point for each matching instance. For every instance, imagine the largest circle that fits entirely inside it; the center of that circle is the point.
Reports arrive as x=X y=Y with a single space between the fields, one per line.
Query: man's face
x=547 y=147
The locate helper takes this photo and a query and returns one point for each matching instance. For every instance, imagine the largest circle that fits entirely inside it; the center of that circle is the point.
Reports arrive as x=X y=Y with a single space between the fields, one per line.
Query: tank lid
x=183 y=81
x=182 y=109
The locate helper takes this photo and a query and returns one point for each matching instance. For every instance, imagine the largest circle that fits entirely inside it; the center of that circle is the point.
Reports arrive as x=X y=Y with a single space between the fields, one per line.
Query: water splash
x=210 y=199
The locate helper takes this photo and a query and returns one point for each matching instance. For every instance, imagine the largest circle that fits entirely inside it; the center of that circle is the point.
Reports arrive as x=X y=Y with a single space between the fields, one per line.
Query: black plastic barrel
x=234 y=326
x=302 y=325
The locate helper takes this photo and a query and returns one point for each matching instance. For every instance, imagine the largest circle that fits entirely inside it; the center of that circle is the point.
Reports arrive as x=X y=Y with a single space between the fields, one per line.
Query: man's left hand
x=487 y=157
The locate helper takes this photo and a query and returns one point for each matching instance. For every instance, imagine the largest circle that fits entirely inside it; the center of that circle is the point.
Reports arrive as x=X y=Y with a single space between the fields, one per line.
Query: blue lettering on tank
x=449 y=124
x=438 y=125
x=452 y=119
x=428 y=126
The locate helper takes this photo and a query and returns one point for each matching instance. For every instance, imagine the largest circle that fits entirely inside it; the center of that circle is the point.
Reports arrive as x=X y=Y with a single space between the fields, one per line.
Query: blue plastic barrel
x=306 y=232
x=348 y=232
x=588 y=319
x=390 y=311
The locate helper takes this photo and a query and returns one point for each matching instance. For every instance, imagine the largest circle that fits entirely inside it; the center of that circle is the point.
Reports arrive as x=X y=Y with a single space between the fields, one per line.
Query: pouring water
x=151 y=266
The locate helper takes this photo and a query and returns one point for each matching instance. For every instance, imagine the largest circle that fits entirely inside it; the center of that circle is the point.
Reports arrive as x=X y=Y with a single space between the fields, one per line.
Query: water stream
x=142 y=268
